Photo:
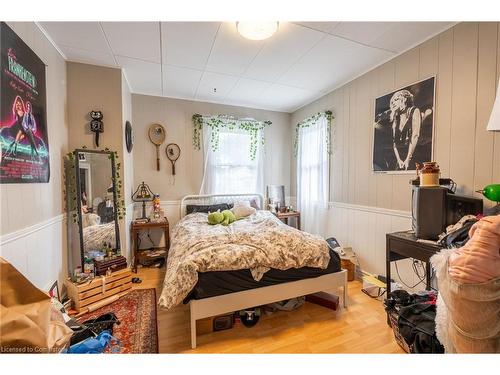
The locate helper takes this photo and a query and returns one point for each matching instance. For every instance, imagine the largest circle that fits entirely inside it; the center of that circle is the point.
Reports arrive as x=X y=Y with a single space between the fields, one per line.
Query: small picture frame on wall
x=403 y=129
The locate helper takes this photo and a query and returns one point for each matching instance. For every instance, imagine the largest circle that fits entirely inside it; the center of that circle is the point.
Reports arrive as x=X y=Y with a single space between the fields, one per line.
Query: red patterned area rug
x=138 y=329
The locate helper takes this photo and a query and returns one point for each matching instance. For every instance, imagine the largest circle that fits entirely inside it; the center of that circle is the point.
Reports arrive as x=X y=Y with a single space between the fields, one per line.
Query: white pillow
x=242 y=209
x=89 y=219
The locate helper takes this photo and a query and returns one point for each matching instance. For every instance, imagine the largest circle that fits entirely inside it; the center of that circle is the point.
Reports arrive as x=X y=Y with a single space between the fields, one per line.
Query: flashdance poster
x=24 y=146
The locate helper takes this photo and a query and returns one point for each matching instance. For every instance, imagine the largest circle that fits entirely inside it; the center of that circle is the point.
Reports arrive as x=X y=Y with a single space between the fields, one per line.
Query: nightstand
x=284 y=216
x=151 y=254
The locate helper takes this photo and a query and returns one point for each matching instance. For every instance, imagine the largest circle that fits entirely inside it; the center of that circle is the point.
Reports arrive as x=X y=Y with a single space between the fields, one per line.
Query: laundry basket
x=393 y=316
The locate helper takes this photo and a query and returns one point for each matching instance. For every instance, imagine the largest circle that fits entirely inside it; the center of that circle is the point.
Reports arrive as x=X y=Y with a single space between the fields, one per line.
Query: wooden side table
x=148 y=254
x=284 y=216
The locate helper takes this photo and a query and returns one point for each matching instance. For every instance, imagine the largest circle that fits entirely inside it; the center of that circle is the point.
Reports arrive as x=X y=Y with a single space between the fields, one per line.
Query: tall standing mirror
x=95 y=204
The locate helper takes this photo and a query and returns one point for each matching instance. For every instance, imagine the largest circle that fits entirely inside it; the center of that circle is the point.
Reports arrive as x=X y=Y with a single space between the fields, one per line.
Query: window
x=313 y=173
x=230 y=169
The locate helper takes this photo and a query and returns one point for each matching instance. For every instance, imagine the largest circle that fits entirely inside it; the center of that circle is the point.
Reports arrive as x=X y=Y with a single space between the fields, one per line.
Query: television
x=434 y=208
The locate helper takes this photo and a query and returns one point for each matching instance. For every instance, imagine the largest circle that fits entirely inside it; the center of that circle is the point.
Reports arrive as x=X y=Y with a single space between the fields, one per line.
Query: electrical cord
x=414 y=267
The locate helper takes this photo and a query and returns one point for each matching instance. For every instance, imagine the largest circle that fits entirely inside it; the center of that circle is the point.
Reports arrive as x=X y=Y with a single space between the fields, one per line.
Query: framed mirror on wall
x=95 y=226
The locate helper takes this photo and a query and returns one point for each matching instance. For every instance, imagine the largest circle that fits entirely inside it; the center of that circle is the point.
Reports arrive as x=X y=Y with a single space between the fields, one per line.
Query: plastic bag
x=93 y=345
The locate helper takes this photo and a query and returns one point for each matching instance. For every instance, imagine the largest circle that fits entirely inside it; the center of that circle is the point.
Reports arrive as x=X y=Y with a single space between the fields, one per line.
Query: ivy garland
x=70 y=184
x=253 y=127
x=310 y=121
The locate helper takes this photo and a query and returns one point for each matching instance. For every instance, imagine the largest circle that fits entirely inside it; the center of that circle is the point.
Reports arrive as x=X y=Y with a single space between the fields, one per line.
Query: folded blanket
x=258 y=242
x=478 y=260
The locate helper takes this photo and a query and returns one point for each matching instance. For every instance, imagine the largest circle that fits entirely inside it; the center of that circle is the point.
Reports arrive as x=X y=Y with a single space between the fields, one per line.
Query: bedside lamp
x=492 y=192
x=494 y=123
x=143 y=194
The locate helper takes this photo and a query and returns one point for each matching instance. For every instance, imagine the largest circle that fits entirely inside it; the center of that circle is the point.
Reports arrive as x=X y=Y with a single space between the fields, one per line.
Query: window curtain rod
x=251 y=126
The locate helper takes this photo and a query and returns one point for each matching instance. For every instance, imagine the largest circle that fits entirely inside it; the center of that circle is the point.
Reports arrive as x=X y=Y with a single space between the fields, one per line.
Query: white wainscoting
x=39 y=251
x=364 y=228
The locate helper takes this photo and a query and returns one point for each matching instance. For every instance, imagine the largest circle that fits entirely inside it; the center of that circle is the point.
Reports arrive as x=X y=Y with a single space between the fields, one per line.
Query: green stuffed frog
x=225 y=217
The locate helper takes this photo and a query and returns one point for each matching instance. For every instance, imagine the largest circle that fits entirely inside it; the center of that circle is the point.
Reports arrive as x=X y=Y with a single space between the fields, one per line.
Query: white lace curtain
x=313 y=172
x=231 y=168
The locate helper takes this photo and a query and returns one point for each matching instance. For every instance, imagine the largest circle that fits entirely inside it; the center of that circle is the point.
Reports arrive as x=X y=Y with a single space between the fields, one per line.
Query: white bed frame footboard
x=208 y=307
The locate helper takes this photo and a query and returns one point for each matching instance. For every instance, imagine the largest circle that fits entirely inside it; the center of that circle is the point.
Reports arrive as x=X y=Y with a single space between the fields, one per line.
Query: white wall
x=128 y=167
x=175 y=115
x=32 y=227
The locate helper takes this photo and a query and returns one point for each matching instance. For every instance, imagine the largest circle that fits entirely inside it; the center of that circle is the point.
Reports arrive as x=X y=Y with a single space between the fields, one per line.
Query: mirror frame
x=111 y=157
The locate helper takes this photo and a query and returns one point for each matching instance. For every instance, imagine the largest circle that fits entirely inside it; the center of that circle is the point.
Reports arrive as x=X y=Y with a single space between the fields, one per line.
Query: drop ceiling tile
x=231 y=53
x=404 y=35
x=82 y=35
x=246 y=91
x=330 y=62
x=140 y=40
x=188 y=44
x=222 y=84
x=144 y=77
x=180 y=82
x=285 y=47
x=285 y=98
x=325 y=27
x=364 y=32
x=88 y=57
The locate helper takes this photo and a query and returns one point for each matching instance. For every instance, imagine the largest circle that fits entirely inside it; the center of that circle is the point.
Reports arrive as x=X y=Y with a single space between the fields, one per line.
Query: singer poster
x=24 y=147
x=404 y=128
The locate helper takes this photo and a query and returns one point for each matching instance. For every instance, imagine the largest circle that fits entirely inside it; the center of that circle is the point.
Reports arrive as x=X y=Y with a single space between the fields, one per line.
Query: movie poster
x=24 y=146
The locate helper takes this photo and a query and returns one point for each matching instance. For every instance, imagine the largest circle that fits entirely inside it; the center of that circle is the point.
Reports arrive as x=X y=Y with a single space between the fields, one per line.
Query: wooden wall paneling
x=486 y=85
x=385 y=83
x=428 y=66
x=361 y=141
x=428 y=58
x=353 y=118
x=464 y=106
x=368 y=165
x=495 y=178
x=345 y=142
x=337 y=156
x=407 y=68
x=443 y=103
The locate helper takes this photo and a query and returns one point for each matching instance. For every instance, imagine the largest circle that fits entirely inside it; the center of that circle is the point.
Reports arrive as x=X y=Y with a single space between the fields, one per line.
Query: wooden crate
x=205 y=325
x=350 y=267
x=100 y=291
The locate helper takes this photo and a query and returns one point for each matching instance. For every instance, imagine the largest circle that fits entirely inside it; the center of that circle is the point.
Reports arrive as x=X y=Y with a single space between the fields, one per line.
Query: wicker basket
x=393 y=318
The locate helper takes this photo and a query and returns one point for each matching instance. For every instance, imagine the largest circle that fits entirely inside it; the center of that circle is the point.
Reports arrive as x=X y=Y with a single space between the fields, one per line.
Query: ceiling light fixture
x=257 y=30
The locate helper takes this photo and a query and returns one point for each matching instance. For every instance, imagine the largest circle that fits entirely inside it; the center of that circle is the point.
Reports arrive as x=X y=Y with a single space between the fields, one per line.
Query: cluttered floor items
x=412 y=318
x=127 y=325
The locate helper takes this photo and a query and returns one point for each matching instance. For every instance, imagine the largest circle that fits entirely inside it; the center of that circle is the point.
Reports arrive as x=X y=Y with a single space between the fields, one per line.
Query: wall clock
x=129 y=137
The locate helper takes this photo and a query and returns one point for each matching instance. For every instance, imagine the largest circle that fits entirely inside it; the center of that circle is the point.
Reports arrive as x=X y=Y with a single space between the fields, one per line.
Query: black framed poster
x=404 y=127
x=24 y=144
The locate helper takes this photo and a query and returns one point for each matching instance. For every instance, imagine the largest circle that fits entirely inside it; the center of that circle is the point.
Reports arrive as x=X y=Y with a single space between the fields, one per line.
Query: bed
x=254 y=261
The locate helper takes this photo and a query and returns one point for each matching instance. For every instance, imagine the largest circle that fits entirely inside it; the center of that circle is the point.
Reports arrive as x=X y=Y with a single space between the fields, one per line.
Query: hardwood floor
x=361 y=328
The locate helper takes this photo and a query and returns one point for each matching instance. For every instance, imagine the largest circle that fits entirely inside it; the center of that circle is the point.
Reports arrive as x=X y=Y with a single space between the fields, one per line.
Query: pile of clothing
x=468 y=307
x=416 y=314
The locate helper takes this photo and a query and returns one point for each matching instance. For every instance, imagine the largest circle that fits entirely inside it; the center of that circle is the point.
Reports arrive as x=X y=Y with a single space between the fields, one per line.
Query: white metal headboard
x=219 y=198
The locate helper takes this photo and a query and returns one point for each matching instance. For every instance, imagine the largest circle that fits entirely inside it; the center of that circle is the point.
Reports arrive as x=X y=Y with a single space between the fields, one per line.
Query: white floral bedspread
x=258 y=242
